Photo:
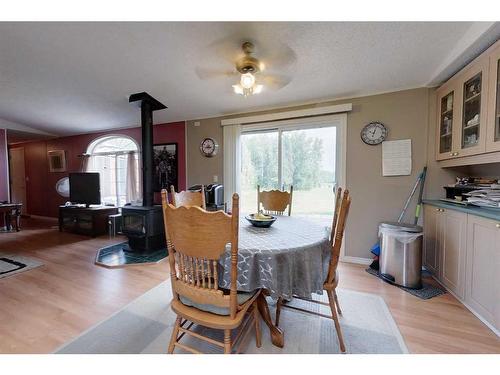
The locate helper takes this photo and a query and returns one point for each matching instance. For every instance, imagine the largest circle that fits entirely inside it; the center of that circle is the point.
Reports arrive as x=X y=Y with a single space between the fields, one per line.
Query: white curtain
x=232 y=162
x=133 y=191
x=84 y=167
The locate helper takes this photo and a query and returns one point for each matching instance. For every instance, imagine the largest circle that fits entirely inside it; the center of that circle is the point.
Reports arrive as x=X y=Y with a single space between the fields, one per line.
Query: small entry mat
x=13 y=264
x=428 y=290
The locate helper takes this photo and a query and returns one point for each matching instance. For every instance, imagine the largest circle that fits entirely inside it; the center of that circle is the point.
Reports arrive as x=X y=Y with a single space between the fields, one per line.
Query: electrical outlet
x=216 y=178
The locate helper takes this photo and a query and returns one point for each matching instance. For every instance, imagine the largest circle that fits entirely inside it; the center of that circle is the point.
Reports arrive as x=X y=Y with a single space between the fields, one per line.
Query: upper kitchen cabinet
x=493 y=124
x=473 y=99
x=462 y=113
x=468 y=113
x=447 y=104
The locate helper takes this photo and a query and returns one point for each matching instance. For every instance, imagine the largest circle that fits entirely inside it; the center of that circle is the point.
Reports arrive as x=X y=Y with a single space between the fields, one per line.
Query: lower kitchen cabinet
x=453 y=247
x=445 y=246
x=482 y=288
x=432 y=240
x=462 y=251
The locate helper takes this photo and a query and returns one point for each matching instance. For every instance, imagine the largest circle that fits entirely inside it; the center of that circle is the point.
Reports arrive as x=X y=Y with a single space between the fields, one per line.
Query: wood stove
x=143 y=225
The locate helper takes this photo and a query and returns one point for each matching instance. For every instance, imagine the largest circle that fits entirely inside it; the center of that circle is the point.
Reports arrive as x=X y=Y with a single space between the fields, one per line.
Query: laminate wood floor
x=42 y=308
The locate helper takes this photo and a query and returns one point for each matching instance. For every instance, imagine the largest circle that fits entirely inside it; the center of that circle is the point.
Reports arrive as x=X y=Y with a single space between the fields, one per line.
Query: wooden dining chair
x=188 y=198
x=274 y=202
x=196 y=239
x=342 y=204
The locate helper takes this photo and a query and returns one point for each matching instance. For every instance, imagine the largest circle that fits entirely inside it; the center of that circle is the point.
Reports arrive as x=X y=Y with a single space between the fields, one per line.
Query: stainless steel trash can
x=401 y=254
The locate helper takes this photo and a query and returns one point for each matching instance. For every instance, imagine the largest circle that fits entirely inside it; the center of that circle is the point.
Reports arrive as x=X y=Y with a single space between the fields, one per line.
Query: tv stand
x=89 y=221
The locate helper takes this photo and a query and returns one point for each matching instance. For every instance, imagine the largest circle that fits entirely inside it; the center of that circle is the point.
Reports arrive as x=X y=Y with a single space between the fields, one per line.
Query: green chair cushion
x=242 y=298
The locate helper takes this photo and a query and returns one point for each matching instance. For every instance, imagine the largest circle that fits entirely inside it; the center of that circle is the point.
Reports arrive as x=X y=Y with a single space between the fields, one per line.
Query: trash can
x=401 y=254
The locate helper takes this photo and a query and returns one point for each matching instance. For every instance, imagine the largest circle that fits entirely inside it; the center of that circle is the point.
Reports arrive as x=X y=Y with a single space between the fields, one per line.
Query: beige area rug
x=145 y=326
x=11 y=264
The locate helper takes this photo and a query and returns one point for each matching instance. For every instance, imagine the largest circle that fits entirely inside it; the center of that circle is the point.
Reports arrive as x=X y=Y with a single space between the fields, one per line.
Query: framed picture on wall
x=57 y=161
x=165 y=166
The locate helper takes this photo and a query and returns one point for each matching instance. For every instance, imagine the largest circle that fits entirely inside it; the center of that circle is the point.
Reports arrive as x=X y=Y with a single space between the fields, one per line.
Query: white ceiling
x=68 y=78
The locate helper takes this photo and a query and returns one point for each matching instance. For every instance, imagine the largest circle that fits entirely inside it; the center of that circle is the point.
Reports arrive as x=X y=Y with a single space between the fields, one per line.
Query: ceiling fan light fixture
x=247 y=80
x=257 y=89
x=238 y=89
x=247 y=85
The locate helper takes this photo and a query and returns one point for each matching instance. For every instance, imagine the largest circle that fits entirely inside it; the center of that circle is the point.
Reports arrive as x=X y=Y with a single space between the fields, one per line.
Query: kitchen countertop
x=488 y=213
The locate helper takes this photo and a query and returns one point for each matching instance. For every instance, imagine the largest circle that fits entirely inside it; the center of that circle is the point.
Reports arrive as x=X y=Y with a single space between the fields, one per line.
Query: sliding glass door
x=302 y=155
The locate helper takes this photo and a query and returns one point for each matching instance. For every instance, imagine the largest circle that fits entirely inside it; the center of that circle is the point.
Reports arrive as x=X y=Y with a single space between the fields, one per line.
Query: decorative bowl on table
x=260 y=220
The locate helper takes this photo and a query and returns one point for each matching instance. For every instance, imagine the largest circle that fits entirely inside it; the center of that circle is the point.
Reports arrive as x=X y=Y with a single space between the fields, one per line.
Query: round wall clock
x=209 y=147
x=374 y=133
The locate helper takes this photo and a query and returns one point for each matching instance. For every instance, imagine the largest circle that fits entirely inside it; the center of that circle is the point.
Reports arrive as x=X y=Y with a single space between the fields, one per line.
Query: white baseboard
x=356 y=260
x=484 y=321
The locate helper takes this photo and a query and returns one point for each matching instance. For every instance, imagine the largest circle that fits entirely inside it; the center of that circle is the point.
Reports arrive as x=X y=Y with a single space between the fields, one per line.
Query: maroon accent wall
x=42 y=198
x=4 y=167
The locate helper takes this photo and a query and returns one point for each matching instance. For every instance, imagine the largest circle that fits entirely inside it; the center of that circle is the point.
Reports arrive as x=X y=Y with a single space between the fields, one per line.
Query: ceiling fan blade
x=274 y=82
x=279 y=57
x=209 y=73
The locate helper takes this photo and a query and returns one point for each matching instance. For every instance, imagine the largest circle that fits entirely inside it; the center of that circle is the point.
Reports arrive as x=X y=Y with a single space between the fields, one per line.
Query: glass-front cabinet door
x=473 y=110
x=447 y=113
x=493 y=125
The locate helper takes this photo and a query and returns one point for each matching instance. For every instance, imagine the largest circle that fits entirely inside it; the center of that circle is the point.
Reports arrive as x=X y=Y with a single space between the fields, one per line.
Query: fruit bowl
x=261 y=221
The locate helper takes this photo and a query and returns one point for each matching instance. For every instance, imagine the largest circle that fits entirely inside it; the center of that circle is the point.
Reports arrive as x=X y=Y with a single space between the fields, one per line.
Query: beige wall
x=375 y=198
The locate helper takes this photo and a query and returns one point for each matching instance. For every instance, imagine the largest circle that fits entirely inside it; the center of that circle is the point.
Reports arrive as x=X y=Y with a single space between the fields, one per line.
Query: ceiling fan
x=254 y=73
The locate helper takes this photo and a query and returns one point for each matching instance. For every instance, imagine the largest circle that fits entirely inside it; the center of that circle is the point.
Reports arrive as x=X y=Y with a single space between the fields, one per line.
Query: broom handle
x=420 y=194
x=402 y=214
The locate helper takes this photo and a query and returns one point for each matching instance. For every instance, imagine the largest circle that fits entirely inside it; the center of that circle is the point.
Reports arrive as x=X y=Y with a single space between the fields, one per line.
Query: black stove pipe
x=148 y=104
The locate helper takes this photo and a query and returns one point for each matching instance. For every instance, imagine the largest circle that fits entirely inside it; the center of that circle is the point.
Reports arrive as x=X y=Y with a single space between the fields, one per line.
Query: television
x=84 y=188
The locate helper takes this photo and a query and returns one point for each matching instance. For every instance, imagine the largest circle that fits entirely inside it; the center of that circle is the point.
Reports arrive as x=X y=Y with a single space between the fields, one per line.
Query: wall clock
x=209 y=147
x=374 y=133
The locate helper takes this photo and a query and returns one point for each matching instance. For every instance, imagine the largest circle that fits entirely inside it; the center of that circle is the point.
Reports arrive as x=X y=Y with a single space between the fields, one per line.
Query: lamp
x=247 y=85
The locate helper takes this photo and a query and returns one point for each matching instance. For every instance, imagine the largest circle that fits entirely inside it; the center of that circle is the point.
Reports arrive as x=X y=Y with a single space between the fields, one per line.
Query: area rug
x=426 y=292
x=11 y=264
x=145 y=326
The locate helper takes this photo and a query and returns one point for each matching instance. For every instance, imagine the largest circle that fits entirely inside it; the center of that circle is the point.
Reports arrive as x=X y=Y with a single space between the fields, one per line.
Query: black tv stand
x=90 y=221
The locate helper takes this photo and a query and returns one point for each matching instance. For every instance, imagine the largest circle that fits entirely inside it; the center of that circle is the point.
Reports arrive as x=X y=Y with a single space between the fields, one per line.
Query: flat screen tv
x=84 y=188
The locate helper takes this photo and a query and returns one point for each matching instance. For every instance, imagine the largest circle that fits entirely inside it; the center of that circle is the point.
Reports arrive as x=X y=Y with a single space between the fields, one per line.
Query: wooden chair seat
x=211 y=320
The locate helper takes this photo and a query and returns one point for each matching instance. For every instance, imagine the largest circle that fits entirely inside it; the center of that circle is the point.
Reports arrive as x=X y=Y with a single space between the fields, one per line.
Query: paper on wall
x=396 y=158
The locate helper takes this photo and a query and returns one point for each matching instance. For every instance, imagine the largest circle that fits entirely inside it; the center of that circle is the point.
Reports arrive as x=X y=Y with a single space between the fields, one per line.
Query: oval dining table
x=289 y=258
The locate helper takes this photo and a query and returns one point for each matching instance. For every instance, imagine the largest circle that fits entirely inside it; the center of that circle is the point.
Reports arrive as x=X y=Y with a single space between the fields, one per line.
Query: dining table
x=288 y=259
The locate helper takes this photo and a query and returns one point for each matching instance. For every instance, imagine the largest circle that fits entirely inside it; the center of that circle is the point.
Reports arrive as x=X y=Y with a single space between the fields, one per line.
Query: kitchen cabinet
x=447 y=113
x=482 y=288
x=462 y=113
x=462 y=251
x=468 y=113
x=453 y=227
x=493 y=124
x=445 y=246
x=432 y=219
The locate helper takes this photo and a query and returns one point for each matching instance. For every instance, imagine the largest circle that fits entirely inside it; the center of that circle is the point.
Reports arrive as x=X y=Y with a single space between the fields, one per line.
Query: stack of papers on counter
x=485 y=197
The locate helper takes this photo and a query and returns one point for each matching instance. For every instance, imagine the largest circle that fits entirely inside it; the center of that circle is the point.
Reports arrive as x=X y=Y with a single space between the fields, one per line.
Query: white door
x=17 y=177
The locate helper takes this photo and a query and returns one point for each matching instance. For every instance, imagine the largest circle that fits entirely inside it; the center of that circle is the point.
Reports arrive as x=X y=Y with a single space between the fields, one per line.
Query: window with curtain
x=116 y=159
